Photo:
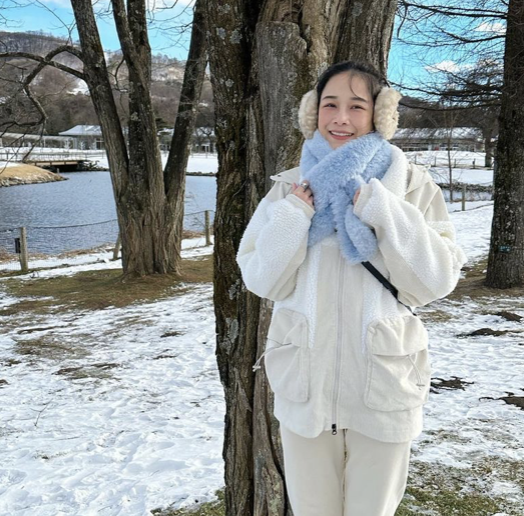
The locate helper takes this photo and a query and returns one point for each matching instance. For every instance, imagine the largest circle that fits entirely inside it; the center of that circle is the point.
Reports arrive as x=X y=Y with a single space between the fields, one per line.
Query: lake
x=86 y=202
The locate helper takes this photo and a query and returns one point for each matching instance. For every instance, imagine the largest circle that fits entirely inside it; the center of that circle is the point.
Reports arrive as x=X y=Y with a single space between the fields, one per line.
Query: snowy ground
x=198 y=162
x=142 y=427
x=127 y=416
x=463 y=175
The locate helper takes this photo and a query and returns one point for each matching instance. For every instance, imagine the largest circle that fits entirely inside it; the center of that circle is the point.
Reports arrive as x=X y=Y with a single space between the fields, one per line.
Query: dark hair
x=373 y=79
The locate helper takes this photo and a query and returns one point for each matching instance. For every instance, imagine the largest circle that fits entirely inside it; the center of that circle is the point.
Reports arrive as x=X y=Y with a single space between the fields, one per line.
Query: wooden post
x=118 y=244
x=208 y=236
x=24 y=258
x=455 y=163
x=474 y=164
x=463 y=197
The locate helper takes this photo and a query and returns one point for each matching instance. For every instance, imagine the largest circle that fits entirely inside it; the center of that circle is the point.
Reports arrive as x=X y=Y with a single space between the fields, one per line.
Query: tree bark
x=506 y=255
x=149 y=200
x=175 y=170
x=262 y=61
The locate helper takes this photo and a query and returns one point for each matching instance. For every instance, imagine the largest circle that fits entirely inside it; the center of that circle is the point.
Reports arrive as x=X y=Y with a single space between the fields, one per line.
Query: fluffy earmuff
x=385 y=116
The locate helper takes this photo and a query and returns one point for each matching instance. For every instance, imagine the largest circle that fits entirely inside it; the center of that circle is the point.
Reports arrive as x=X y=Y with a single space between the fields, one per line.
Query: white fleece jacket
x=341 y=351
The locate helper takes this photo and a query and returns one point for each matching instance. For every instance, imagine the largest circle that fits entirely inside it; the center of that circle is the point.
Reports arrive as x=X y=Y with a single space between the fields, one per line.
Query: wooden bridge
x=57 y=160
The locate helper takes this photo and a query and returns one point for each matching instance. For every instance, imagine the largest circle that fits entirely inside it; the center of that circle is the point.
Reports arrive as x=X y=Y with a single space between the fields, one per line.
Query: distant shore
x=23 y=174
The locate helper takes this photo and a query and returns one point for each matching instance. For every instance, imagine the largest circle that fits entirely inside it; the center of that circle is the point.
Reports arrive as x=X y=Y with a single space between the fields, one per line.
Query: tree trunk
x=262 y=61
x=506 y=255
x=175 y=170
x=149 y=202
x=364 y=31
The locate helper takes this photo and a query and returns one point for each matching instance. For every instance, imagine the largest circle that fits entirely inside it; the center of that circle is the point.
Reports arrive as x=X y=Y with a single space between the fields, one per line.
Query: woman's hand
x=355 y=198
x=306 y=195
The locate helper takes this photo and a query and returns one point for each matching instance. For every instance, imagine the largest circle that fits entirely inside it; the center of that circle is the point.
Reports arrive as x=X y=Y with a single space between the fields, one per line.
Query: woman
x=346 y=358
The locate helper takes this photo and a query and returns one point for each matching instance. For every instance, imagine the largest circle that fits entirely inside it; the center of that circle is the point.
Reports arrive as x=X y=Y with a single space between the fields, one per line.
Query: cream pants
x=347 y=474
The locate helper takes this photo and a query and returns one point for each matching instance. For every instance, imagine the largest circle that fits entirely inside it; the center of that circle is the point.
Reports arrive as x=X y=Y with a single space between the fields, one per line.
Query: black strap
x=371 y=268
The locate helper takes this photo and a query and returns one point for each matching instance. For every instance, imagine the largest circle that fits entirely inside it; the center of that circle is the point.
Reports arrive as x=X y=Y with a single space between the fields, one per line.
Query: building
x=204 y=139
x=423 y=139
x=23 y=141
x=85 y=137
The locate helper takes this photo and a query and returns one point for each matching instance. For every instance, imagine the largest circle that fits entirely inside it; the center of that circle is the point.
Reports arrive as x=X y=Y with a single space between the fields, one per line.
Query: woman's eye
x=329 y=105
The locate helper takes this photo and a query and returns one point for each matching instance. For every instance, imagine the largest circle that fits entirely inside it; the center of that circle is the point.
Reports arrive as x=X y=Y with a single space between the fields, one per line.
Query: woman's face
x=345 y=111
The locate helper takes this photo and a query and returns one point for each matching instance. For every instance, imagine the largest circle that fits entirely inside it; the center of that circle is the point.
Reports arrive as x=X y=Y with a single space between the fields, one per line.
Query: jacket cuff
x=366 y=190
x=299 y=203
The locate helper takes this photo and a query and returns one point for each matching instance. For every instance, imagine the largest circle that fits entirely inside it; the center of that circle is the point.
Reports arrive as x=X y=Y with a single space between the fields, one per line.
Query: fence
x=51 y=246
x=441 y=159
x=16 y=154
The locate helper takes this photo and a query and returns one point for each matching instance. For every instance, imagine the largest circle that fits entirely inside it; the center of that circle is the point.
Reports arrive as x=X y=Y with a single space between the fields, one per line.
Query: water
x=85 y=200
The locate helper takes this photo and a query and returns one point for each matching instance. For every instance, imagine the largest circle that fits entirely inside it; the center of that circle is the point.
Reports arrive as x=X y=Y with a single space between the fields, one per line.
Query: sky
x=56 y=17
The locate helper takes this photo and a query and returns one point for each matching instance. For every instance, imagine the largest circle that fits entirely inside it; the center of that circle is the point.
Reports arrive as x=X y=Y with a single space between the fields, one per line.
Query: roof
x=438 y=133
x=83 y=130
x=43 y=137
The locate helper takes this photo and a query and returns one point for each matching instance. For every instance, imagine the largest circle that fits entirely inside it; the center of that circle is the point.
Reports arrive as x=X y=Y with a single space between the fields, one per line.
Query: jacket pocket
x=287 y=355
x=399 y=373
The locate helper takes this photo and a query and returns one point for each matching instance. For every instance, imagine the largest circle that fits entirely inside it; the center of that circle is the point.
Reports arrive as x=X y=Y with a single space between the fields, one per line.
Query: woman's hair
x=373 y=79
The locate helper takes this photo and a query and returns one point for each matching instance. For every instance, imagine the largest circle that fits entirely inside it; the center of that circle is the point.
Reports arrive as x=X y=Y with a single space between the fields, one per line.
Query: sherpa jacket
x=341 y=351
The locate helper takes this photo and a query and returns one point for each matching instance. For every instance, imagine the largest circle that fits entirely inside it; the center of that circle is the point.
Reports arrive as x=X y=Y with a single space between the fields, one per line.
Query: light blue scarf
x=334 y=176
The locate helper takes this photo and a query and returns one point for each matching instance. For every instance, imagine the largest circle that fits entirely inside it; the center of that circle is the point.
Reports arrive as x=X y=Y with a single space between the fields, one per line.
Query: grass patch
x=215 y=508
x=99 y=371
x=447 y=491
x=472 y=286
x=433 y=489
x=96 y=290
x=49 y=347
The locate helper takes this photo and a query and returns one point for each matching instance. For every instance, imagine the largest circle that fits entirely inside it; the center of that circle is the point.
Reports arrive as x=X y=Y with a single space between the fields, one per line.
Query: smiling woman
x=345 y=244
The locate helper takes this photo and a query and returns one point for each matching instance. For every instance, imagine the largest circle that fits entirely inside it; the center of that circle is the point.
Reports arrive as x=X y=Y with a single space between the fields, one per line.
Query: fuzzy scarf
x=334 y=176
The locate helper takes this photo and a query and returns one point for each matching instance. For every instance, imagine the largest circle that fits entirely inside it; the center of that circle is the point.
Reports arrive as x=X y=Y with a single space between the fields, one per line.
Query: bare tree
x=506 y=255
x=149 y=198
x=263 y=57
x=470 y=78
x=490 y=28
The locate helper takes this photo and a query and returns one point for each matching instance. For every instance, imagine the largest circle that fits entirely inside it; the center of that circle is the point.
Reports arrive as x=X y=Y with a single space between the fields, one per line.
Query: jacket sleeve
x=417 y=243
x=274 y=243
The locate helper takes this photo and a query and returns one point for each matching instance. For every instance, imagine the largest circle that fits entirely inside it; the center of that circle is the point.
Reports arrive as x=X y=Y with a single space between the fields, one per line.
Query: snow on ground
x=127 y=417
x=464 y=175
x=102 y=259
x=198 y=162
x=145 y=430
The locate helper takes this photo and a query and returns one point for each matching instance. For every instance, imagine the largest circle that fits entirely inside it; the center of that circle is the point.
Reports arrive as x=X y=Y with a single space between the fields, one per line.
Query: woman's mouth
x=341 y=135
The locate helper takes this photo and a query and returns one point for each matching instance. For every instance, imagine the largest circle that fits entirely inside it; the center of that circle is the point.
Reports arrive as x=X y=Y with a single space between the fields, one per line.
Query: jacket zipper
x=338 y=354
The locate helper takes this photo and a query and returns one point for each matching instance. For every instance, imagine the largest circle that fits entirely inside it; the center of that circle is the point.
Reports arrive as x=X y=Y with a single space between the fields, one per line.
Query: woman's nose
x=342 y=117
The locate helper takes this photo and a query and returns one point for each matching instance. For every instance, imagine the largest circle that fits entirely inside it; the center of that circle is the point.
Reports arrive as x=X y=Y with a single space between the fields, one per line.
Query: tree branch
x=46 y=60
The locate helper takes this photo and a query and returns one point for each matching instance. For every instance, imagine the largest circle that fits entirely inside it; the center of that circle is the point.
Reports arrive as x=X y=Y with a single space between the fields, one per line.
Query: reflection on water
x=85 y=202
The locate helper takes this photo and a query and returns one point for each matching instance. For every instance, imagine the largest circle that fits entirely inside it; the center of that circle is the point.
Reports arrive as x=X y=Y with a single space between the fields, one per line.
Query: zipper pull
x=334 y=429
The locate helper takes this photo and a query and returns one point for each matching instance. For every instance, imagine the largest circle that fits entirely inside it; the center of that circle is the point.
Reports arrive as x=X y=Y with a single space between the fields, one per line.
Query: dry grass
x=96 y=290
x=472 y=285
x=27 y=174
